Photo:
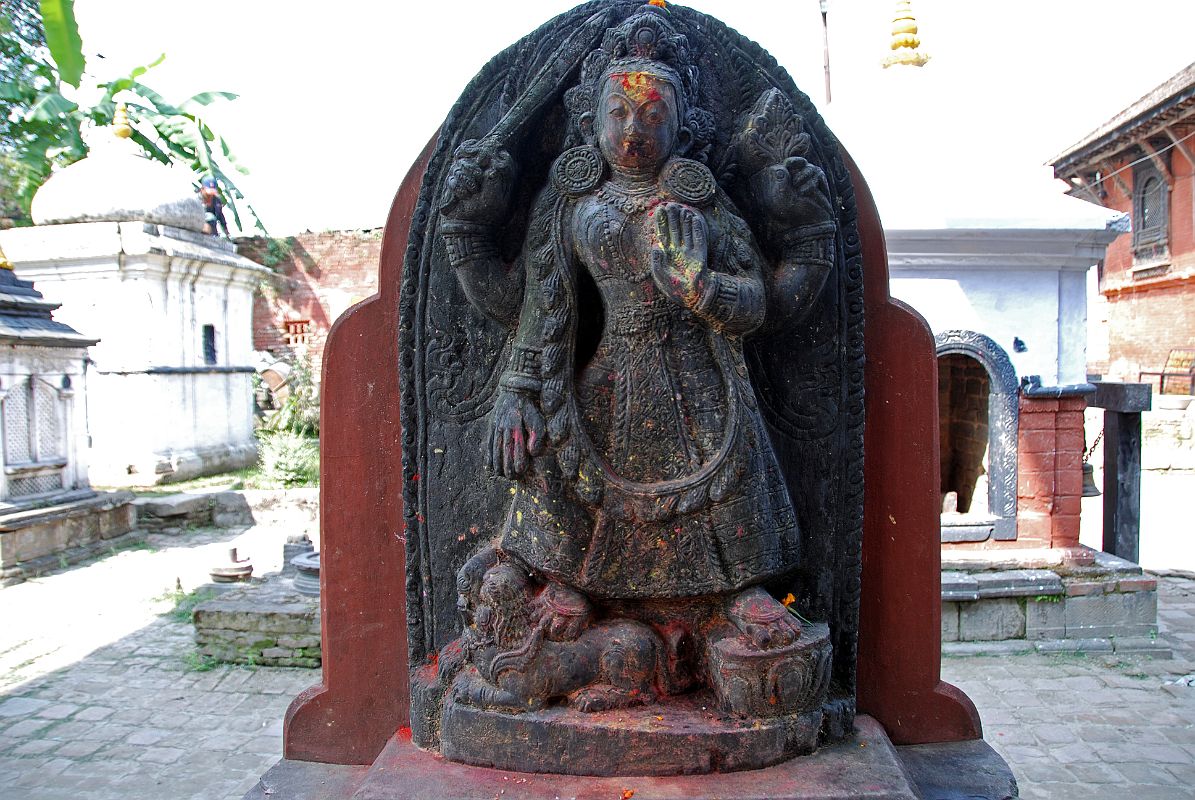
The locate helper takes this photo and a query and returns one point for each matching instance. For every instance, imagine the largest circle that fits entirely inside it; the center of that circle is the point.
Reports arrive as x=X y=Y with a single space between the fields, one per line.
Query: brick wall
x=1144 y=326
x=1150 y=316
x=319 y=276
x=963 y=428
x=1049 y=472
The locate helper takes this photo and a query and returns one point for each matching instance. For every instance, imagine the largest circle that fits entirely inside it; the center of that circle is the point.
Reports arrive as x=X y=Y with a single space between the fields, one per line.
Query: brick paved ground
x=99 y=697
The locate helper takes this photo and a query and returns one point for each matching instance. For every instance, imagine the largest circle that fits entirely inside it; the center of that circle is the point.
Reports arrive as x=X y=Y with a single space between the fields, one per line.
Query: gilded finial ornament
x=4 y=262
x=904 y=38
x=658 y=3
x=120 y=122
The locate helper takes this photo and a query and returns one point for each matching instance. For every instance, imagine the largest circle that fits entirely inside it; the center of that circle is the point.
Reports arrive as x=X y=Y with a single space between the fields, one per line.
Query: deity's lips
x=641 y=148
x=639 y=87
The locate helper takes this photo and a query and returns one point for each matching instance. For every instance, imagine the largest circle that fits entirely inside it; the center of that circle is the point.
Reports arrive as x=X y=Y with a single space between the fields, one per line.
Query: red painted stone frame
x=364 y=696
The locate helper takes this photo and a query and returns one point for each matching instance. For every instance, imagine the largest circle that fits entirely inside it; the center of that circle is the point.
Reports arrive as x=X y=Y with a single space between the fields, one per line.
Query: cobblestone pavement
x=101 y=698
x=1094 y=727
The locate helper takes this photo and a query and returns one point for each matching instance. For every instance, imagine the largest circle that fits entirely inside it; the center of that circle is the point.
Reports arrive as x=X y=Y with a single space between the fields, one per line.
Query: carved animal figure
x=609 y=664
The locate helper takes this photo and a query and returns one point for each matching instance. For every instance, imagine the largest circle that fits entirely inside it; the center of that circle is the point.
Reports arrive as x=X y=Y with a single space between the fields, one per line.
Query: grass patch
x=290 y=463
x=232 y=480
x=184 y=602
x=197 y=662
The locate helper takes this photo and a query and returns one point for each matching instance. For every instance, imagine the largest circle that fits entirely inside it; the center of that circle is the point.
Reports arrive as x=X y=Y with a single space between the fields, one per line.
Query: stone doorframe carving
x=1003 y=421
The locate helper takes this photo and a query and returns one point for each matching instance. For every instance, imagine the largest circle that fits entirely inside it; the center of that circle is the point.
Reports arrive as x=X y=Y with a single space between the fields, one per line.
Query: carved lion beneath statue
x=509 y=661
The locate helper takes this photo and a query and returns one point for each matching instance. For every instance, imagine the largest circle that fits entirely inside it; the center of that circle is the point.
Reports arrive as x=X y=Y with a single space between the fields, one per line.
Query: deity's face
x=637 y=121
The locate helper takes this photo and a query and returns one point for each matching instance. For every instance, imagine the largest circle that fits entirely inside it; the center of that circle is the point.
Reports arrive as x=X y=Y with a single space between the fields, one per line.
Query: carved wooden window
x=34 y=415
x=1151 y=214
x=296 y=331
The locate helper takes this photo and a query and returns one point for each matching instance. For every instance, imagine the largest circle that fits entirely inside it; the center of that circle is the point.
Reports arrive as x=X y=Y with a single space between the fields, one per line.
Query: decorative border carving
x=1003 y=425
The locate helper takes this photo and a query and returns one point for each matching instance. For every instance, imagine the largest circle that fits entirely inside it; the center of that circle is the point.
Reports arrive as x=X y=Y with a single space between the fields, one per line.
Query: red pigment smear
x=637 y=85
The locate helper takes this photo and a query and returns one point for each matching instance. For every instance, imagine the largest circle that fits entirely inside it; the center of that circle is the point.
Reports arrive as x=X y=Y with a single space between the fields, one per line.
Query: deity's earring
x=579 y=170
x=585 y=125
x=684 y=140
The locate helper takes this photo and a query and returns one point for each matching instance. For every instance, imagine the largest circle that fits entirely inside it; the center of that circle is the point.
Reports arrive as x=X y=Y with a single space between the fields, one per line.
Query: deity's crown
x=647 y=35
x=647 y=42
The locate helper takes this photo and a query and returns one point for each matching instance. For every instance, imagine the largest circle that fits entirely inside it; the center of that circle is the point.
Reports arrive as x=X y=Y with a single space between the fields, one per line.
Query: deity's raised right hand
x=479 y=182
x=517 y=434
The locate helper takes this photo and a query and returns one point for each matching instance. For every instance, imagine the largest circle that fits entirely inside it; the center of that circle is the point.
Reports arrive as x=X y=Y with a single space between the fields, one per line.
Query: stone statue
x=648 y=511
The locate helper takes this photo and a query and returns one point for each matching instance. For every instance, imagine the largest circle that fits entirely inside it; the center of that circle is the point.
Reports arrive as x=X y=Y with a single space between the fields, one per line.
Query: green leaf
x=62 y=38
x=150 y=148
x=128 y=81
x=139 y=71
x=207 y=98
x=48 y=106
x=19 y=92
x=155 y=99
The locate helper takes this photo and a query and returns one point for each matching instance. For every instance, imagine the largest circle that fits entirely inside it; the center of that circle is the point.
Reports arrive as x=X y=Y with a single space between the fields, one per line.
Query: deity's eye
x=618 y=112
x=654 y=116
x=779 y=174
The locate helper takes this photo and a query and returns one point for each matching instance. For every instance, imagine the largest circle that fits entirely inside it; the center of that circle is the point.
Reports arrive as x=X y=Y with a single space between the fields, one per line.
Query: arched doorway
x=978 y=410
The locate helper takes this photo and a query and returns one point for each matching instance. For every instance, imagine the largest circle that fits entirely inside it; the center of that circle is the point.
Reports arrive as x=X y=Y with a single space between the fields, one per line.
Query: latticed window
x=1151 y=214
x=297 y=331
x=35 y=439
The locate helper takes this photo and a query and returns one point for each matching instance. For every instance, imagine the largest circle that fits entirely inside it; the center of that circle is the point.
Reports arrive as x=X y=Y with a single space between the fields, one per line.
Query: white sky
x=337 y=100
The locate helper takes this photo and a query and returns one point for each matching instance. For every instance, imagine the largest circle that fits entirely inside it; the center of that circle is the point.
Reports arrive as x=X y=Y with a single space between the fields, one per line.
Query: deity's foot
x=604 y=697
x=765 y=662
x=471 y=690
x=763 y=619
x=563 y=611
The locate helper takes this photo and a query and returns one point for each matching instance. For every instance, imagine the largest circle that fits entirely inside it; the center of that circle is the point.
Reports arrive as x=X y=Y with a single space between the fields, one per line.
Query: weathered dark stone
x=364 y=699
x=959 y=771
x=638 y=289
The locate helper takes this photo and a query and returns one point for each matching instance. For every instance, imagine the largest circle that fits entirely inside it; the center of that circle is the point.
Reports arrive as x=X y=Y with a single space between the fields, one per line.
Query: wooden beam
x=1082 y=190
x=1159 y=162
x=1180 y=145
x=1108 y=170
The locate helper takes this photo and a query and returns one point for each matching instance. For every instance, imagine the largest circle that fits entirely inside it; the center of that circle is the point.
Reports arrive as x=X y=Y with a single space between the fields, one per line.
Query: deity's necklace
x=629 y=201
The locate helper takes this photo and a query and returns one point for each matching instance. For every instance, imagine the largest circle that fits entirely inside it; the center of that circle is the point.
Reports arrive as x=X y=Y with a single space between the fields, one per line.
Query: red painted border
x=900 y=618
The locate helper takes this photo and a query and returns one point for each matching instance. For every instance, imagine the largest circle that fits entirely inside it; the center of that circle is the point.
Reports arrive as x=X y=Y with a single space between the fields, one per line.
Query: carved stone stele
x=632 y=374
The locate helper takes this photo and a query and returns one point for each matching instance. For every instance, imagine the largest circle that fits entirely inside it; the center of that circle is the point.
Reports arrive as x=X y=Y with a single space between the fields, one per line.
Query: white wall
x=1005 y=284
x=146 y=292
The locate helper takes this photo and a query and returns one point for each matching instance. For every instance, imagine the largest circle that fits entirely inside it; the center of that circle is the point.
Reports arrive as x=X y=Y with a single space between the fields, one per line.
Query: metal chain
x=1094 y=445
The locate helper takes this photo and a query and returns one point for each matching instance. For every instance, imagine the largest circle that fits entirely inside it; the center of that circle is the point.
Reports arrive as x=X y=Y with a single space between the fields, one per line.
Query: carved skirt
x=655 y=405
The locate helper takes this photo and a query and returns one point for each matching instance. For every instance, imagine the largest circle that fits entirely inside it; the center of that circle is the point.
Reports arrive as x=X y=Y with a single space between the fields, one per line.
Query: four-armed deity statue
x=631 y=334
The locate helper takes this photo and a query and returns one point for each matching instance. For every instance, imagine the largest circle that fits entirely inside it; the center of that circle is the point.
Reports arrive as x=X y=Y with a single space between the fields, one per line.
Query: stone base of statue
x=762 y=707
x=676 y=738
x=866 y=766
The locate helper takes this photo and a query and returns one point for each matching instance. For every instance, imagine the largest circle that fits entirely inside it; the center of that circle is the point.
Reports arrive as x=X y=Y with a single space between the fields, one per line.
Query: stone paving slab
x=100 y=697
x=1095 y=725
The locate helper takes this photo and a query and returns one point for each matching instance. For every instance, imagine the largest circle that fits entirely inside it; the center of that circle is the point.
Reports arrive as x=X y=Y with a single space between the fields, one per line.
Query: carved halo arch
x=1003 y=423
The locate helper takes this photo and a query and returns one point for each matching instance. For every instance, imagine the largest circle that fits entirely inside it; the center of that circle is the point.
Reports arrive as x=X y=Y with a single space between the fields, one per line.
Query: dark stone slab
x=867 y=767
x=959 y=586
x=959 y=771
x=1123 y=397
x=1018 y=583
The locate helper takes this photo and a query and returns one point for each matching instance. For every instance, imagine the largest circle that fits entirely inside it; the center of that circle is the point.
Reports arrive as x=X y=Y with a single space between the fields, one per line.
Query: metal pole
x=826 y=46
